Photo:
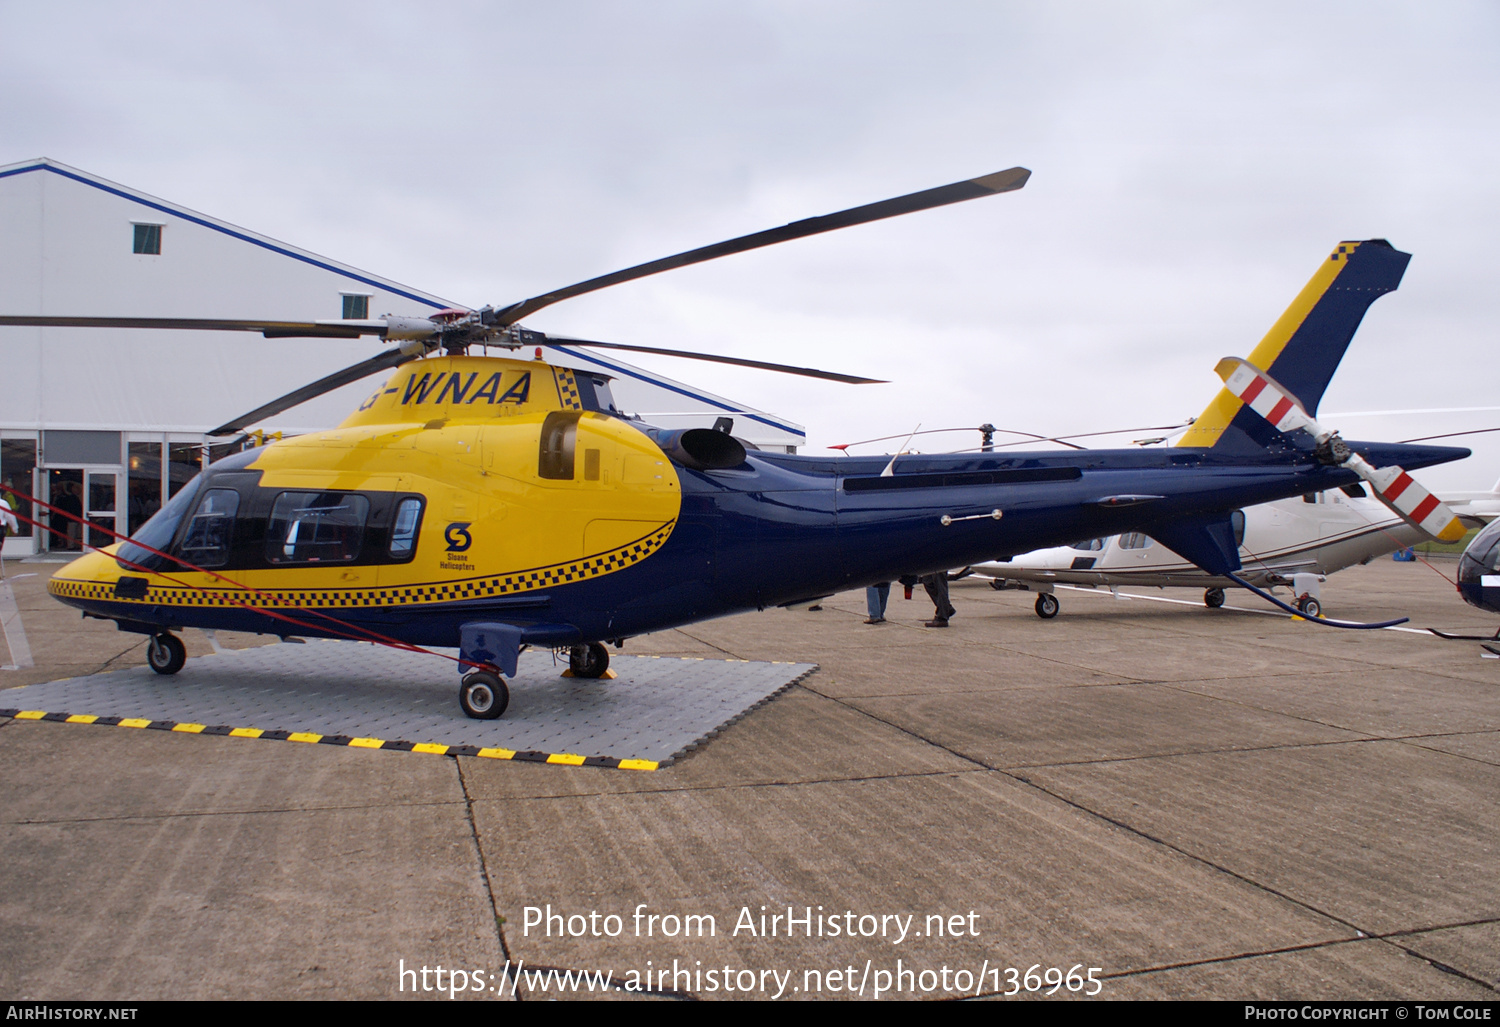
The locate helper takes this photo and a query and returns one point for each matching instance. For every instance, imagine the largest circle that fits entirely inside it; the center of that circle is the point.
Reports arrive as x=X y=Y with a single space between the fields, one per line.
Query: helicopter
x=496 y=503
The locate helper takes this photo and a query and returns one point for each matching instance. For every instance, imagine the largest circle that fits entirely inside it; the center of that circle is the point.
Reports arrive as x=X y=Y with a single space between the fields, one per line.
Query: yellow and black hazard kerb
x=311 y=738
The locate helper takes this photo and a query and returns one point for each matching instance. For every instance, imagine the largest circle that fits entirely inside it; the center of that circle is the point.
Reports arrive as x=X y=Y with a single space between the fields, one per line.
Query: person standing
x=875 y=600
x=8 y=524
x=936 y=585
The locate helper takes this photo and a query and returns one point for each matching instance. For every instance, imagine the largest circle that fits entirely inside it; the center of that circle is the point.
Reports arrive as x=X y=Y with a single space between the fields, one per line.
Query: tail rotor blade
x=1261 y=393
x=1393 y=486
x=1412 y=503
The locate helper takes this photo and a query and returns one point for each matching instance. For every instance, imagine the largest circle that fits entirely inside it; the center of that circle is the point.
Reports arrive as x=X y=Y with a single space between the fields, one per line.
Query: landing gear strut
x=483 y=695
x=588 y=661
x=166 y=653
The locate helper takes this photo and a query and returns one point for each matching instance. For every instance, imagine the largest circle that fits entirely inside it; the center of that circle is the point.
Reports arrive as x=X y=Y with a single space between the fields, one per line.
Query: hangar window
x=206 y=542
x=356 y=306
x=147 y=239
x=316 y=527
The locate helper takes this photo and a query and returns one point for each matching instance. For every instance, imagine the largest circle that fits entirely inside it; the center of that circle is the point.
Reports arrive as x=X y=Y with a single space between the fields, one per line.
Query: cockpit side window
x=316 y=527
x=206 y=541
x=404 y=531
x=559 y=439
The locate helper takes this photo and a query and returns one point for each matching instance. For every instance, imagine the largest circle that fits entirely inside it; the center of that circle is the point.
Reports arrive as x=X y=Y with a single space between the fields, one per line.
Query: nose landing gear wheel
x=1213 y=598
x=1047 y=606
x=483 y=695
x=166 y=654
x=588 y=661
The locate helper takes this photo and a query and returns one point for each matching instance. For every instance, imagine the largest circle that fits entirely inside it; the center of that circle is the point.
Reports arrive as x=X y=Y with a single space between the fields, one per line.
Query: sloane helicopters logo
x=459 y=540
x=457 y=536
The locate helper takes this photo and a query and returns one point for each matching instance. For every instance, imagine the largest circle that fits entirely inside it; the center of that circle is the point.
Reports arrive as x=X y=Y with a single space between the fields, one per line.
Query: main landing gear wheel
x=483 y=695
x=1047 y=606
x=1310 y=607
x=166 y=654
x=588 y=661
x=1213 y=598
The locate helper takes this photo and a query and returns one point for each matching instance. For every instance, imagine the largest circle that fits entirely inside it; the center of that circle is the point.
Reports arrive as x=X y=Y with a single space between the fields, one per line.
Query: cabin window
x=1237 y=525
x=316 y=527
x=1135 y=540
x=559 y=437
x=206 y=542
x=404 y=533
x=1089 y=545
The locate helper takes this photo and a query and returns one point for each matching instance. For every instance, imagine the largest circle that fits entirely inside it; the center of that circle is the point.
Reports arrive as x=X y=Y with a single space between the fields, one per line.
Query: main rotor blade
x=270 y=329
x=806 y=372
x=974 y=188
x=363 y=369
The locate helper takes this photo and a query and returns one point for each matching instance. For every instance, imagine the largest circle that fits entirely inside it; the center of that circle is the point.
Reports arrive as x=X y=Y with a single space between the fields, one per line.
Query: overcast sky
x=1193 y=163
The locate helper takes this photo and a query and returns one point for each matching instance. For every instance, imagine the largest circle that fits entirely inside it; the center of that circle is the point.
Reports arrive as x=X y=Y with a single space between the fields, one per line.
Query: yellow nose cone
x=96 y=567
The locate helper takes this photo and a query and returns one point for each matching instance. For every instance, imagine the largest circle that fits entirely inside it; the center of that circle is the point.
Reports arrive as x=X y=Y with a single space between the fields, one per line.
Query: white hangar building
x=107 y=422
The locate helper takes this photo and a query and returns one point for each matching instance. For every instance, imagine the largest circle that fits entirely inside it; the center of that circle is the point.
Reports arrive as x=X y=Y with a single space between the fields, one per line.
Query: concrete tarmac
x=1200 y=803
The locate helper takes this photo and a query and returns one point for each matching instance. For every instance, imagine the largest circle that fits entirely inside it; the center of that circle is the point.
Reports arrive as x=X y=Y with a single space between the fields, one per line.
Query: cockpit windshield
x=158 y=531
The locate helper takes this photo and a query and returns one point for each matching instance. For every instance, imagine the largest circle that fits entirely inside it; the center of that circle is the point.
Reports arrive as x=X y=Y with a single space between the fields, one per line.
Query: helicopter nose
x=95 y=568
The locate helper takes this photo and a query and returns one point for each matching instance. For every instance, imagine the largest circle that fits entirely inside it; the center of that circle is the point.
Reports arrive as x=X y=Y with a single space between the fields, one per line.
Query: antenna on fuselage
x=890 y=468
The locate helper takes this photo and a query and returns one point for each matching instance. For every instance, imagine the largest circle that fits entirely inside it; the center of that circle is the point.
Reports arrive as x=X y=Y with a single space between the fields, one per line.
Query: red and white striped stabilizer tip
x=1393 y=486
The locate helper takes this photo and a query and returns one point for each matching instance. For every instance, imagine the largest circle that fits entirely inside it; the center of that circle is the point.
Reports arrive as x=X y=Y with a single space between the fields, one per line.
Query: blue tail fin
x=1304 y=347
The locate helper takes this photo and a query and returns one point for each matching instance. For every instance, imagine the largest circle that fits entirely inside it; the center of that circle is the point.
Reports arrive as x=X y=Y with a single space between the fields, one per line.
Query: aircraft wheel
x=1047 y=606
x=166 y=653
x=1310 y=607
x=1213 y=598
x=483 y=695
x=588 y=661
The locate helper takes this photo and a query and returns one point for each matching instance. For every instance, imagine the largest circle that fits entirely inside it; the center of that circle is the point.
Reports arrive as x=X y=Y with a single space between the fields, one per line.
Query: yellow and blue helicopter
x=492 y=504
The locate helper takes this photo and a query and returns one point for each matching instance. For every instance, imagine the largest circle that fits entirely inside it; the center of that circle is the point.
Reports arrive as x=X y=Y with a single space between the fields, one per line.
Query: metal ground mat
x=370 y=696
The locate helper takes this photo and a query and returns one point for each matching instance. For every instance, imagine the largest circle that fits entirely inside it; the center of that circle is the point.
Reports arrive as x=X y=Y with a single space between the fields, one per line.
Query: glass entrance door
x=100 y=490
x=86 y=492
x=65 y=493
